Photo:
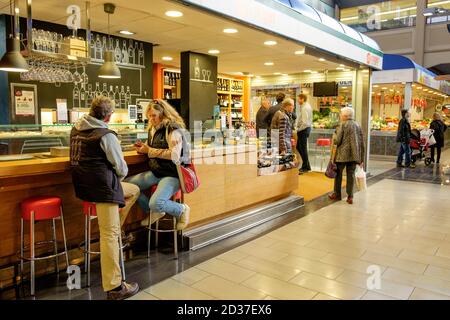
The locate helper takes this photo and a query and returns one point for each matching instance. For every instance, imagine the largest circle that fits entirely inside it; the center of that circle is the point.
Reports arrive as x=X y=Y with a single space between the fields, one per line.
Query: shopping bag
x=431 y=141
x=188 y=177
x=360 y=176
x=331 y=171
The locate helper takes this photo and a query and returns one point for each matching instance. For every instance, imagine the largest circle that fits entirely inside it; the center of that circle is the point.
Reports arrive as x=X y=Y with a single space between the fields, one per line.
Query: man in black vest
x=98 y=167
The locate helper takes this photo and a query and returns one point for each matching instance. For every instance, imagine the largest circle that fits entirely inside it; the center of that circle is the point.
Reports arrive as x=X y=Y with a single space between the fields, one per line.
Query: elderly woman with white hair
x=349 y=141
x=281 y=126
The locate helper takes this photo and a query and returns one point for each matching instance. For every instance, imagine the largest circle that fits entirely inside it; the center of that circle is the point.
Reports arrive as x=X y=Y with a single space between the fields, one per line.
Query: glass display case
x=43 y=140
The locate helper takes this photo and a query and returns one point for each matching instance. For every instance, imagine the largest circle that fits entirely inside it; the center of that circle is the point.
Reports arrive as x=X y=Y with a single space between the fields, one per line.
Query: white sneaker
x=152 y=218
x=183 y=221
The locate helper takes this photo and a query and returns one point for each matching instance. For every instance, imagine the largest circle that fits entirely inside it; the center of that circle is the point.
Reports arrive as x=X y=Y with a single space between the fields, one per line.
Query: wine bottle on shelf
x=141 y=55
x=98 y=47
x=90 y=96
x=76 y=96
x=131 y=54
x=97 y=90
x=122 y=97
x=118 y=52
x=125 y=56
x=104 y=48
x=128 y=97
x=93 y=49
x=83 y=95
x=105 y=90
x=111 y=93
x=166 y=78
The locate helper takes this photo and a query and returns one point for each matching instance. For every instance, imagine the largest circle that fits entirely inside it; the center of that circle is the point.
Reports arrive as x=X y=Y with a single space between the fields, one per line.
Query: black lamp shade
x=12 y=60
x=109 y=69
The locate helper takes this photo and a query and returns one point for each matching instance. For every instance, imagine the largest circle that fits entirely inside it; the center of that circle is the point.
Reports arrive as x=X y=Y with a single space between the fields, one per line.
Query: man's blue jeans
x=160 y=199
x=405 y=149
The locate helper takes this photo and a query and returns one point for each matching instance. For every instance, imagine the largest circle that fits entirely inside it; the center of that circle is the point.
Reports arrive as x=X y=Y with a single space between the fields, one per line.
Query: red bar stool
x=323 y=143
x=90 y=213
x=178 y=196
x=42 y=208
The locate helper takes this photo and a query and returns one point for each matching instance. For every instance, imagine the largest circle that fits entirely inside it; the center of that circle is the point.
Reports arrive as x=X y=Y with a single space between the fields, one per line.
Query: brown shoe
x=334 y=196
x=127 y=290
x=350 y=200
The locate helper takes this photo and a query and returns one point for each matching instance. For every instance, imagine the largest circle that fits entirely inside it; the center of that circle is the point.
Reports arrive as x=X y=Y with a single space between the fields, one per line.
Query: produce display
x=326 y=119
x=391 y=124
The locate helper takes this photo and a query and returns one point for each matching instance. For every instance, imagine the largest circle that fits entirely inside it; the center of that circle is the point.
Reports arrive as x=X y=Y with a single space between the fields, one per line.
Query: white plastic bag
x=360 y=176
x=431 y=141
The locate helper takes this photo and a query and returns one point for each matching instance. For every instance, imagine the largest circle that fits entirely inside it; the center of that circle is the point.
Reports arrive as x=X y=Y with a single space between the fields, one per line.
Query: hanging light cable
x=109 y=69
x=12 y=60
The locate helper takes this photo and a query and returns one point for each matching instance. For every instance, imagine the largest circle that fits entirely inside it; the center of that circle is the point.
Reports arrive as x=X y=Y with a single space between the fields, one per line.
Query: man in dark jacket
x=274 y=109
x=439 y=128
x=261 y=116
x=404 y=136
x=98 y=166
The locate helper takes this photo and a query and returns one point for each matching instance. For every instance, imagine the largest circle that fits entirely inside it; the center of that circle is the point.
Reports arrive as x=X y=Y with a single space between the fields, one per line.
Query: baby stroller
x=420 y=141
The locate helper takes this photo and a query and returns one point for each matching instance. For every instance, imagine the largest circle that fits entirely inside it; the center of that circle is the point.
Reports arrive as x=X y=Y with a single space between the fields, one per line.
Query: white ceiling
x=195 y=31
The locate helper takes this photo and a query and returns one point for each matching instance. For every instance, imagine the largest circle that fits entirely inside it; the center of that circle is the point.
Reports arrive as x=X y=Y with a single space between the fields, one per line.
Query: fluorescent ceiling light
x=268 y=63
x=174 y=14
x=230 y=30
x=277 y=73
x=299 y=52
x=384 y=88
x=284 y=74
x=314 y=72
x=213 y=51
x=167 y=58
x=375 y=86
x=307 y=70
x=270 y=43
x=340 y=68
x=126 y=32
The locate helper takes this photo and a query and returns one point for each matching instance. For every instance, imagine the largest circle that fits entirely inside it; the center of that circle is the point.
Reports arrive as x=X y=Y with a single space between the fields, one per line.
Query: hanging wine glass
x=76 y=76
x=84 y=76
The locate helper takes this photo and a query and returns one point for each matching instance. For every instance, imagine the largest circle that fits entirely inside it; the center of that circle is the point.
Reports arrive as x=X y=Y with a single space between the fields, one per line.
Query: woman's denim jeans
x=160 y=199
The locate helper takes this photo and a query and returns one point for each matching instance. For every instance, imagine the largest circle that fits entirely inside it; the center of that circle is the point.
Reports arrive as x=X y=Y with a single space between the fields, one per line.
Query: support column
x=362 y=103
x=419 y=32
x=408 y=96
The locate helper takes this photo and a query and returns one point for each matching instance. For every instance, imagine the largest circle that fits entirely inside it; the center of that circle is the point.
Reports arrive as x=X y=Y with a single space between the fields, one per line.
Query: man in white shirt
x=303 y=126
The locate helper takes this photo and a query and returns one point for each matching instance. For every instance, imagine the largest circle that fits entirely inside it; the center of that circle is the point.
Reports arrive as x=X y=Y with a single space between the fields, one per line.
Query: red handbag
x=188 y=177
x=187 y=174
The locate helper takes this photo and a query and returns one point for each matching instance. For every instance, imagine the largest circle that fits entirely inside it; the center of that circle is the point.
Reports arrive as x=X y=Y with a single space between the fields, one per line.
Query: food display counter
x=225 y=173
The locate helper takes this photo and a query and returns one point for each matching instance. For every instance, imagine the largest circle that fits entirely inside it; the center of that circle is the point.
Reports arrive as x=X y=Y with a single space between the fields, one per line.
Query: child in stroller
x=420 y=141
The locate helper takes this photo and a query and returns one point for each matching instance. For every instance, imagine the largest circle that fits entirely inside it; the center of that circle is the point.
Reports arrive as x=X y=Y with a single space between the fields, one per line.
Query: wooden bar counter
x=229 y=183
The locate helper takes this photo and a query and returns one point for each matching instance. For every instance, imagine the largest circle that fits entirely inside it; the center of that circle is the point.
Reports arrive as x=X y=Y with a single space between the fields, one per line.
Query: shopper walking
x=261 y=116
x=439 y=128
x=404 y=137
x=164 y=147
x=303 y=127
x=97 y=166
x=350 y=150
x=281 y=127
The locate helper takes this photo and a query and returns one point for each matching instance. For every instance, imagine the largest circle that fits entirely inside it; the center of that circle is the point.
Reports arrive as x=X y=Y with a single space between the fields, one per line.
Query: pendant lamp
x=12 y=60
x=109 y=69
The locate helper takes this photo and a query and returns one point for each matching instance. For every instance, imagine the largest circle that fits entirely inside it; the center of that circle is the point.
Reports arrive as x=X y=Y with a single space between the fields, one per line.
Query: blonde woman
x=164 y=147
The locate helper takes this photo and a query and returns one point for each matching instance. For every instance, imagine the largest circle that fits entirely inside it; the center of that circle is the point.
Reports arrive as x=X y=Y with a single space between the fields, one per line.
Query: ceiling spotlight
x=174 y=14
x=213 y=51
x=230 y=30
x=340 y=68
x=126 y=32
x=375 y=86
x=384 y=88
x=342 y=65
x=322 y=59
x=284 y=74
x=268 y=63
x=270 y=43
x=314 y=72
x=277 y=73
x=299 y=52
x=167 y=58
x=307 y=70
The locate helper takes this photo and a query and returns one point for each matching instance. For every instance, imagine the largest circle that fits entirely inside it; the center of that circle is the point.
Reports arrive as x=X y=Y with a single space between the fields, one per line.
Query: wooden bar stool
x=90 y=213
x=178 y=197
x=42 y=208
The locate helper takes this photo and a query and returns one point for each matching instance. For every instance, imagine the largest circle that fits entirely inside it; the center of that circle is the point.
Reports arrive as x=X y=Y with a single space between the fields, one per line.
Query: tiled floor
x=403 y=227
x=321 y=252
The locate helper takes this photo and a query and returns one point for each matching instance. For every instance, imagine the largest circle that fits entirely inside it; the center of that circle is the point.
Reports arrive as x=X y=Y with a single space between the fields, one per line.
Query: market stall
x=403 y=84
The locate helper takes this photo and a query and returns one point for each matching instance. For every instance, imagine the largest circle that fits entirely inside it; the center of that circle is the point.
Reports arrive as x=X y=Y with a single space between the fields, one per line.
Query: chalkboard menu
x=135 y=61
